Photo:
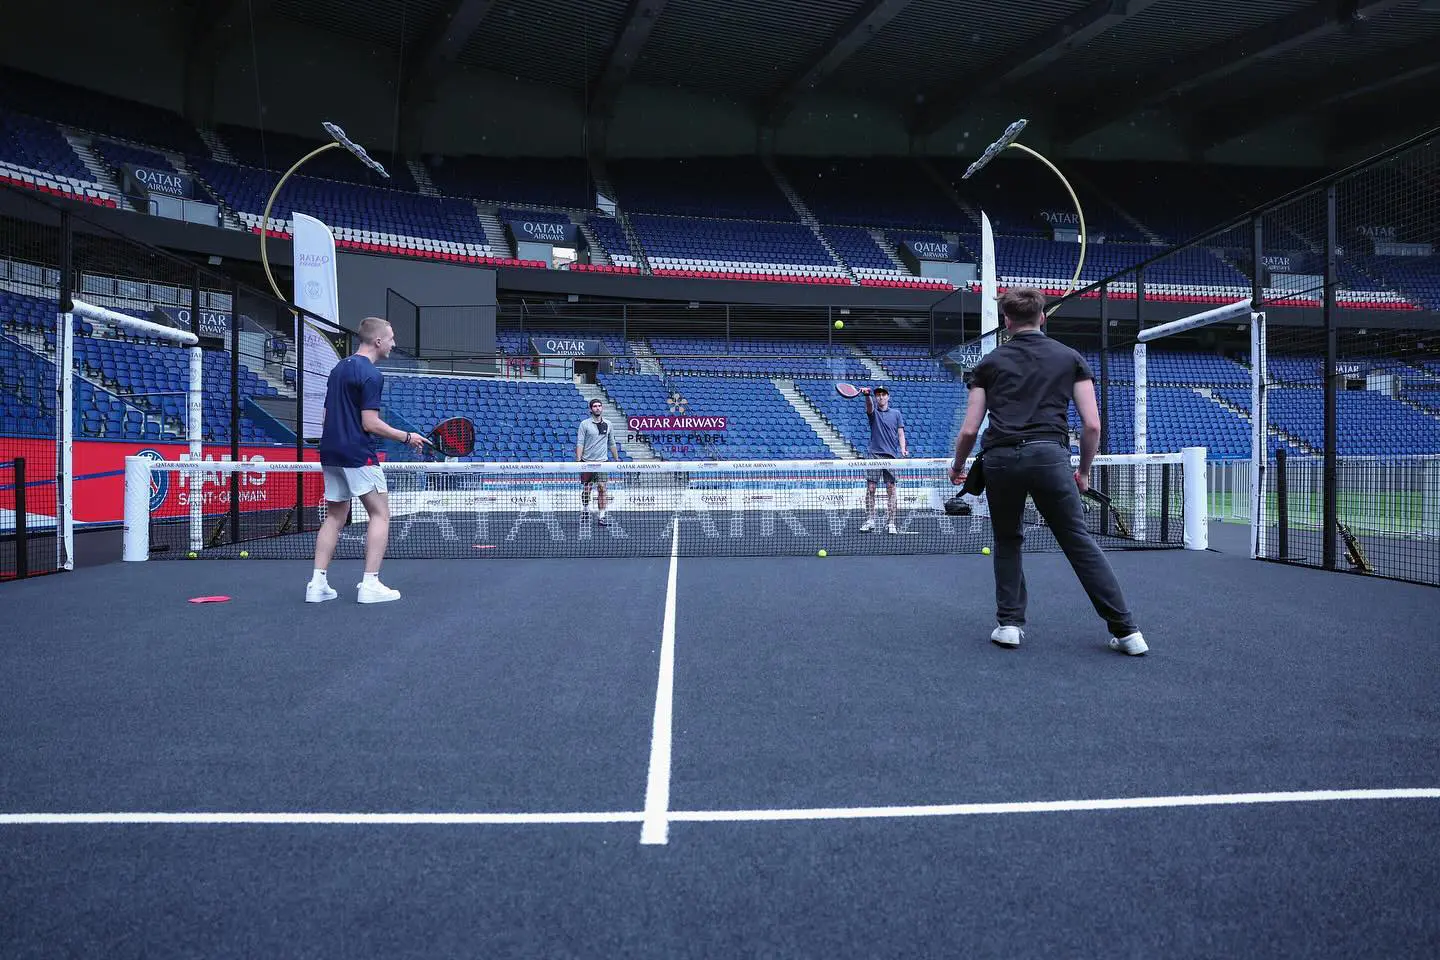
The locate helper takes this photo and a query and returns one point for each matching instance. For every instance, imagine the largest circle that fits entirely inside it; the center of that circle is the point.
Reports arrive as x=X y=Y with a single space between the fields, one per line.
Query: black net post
x=22 y=526
x=65 y=417
x=1328 y=495
x=1165 y=472
x=1105 y=369
x=235 y=411
x=1282 y=507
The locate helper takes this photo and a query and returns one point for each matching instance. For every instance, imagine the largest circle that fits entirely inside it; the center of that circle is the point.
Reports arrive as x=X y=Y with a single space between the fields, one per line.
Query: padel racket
x=1353 y=551
x=1121 y=527
x=849 y=390
x=454 y=437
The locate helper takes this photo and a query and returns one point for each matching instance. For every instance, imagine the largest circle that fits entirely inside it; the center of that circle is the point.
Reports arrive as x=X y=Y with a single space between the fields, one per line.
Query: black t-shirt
x=1029 y=383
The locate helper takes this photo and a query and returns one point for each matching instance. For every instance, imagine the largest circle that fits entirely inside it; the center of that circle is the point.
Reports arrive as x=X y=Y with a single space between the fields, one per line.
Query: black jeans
x=1042 y=470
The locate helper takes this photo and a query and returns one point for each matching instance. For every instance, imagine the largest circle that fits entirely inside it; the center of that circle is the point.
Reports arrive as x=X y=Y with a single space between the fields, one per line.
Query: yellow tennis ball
x=244 y=554
x=192 y=554
x=822 y=553
x=839 y=324
x=985 y=550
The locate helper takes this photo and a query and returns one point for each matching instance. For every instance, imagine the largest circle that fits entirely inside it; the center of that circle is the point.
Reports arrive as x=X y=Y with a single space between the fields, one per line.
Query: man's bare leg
x=377 y=534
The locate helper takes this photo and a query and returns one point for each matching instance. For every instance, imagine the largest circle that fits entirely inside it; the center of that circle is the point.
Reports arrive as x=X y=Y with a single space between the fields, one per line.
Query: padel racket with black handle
x=1121 y=527
x=454 y=437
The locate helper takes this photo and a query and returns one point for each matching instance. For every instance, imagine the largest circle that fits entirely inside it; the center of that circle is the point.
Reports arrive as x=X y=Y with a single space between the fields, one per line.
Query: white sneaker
x=319 y=592
x=1007 y=636
x=373 y=591
x=891 y=529
x=867 y=526
x=1134 y=644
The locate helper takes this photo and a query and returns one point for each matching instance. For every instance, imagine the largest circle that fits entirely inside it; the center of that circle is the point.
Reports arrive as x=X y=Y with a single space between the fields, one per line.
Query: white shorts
x=346 y=483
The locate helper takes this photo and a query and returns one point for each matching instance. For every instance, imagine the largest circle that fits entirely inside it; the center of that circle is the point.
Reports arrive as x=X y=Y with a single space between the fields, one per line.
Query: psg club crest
x=159 y=480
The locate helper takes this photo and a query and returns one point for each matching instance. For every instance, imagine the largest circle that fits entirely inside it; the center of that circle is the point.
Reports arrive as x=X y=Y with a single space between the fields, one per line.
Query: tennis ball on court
x=839 y=324
x=244 y=554
x=985 y=550
x=822 y=553
x=192 y=554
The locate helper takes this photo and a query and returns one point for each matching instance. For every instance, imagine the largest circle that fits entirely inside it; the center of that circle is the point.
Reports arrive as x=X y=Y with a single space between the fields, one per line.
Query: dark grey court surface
x=803 y=689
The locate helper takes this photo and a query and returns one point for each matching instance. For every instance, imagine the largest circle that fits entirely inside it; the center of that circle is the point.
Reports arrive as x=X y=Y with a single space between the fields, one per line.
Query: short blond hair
x=372 y=329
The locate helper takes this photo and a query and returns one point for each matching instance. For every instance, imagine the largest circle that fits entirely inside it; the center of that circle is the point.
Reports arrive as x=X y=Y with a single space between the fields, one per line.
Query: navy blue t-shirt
x=355 y=385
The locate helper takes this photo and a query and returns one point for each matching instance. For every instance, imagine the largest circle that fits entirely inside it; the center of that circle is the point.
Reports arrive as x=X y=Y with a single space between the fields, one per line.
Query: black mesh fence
x=1345 y=274
x=31 y=251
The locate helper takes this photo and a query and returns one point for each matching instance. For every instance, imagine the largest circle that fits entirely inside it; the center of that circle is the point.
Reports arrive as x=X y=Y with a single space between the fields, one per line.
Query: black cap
x=881 y=390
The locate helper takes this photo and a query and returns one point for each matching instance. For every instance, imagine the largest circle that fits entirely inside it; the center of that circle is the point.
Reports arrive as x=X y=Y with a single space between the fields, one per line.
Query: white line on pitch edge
x=727 y=816
x=656 y=827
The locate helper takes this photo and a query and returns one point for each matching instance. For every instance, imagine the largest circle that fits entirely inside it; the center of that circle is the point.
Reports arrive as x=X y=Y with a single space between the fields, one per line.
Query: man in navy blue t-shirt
x=349 y=458
x=887 y=442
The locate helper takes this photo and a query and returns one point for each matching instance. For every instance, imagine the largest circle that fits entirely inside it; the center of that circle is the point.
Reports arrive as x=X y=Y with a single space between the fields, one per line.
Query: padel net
x=449 y=510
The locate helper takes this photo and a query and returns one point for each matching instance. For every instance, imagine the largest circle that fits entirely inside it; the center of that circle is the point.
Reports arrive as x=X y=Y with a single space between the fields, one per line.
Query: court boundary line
x=725 y=816
x=656 y=829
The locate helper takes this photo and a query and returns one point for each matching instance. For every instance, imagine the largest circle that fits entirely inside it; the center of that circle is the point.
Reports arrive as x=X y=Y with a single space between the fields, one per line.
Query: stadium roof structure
x=1229 y=67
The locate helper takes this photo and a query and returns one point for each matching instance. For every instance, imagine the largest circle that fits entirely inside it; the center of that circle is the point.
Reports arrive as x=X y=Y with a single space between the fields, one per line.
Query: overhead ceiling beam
x=629 y=42
x=433 y=55
x=1070 y=34
x=1221 y=59
x=1224 y=123
x=859 y=29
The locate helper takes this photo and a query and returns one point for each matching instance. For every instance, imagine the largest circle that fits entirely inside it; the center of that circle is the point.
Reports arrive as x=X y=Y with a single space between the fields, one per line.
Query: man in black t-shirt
x=1026 y=385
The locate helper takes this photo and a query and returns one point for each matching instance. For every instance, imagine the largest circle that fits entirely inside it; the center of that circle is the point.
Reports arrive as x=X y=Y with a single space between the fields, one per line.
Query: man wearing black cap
x=1027 y=385
x=887 y=442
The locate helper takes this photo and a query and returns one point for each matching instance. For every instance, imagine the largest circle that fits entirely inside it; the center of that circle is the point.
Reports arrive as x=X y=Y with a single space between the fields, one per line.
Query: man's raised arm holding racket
x=887 y=442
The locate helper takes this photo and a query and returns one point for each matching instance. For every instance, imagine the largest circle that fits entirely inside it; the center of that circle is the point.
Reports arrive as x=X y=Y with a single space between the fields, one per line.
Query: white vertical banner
x=318 y=290
x=989 y=289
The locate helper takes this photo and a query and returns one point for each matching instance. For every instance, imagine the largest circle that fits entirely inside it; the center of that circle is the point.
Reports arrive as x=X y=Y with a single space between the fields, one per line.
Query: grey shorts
x=880 y=476
x=346 y=483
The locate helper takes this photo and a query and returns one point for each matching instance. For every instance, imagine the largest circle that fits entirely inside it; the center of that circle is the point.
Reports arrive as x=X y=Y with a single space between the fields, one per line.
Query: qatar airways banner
x=676 y=424
x=544 y=231
x=316 y=290
x=933 y=249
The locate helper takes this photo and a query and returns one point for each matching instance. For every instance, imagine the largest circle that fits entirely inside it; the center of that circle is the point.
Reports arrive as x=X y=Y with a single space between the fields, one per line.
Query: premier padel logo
x=159 y=479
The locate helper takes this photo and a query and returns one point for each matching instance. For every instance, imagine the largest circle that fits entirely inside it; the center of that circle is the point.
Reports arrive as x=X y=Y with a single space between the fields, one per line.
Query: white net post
x=137 y=509
x=65 y=494
x=1195 y=479
x=1259 y=452
x=1141 y=440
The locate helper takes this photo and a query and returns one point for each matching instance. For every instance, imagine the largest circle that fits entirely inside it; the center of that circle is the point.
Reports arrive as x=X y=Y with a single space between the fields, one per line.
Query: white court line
x=732 y=816
x=656 y=827
x=364 y=819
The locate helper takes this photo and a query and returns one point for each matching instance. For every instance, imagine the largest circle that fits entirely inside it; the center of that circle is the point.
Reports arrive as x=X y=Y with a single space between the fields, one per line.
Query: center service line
x=656 y=825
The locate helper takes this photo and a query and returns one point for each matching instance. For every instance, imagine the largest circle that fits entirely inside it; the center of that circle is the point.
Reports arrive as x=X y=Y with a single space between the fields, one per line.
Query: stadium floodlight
x=339 y=137
x=1011 y=134
x=338 y=140
x=1009 y=141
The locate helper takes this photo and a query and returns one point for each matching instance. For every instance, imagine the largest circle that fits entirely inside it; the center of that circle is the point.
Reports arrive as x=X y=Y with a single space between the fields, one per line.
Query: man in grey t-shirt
x=595 y=443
